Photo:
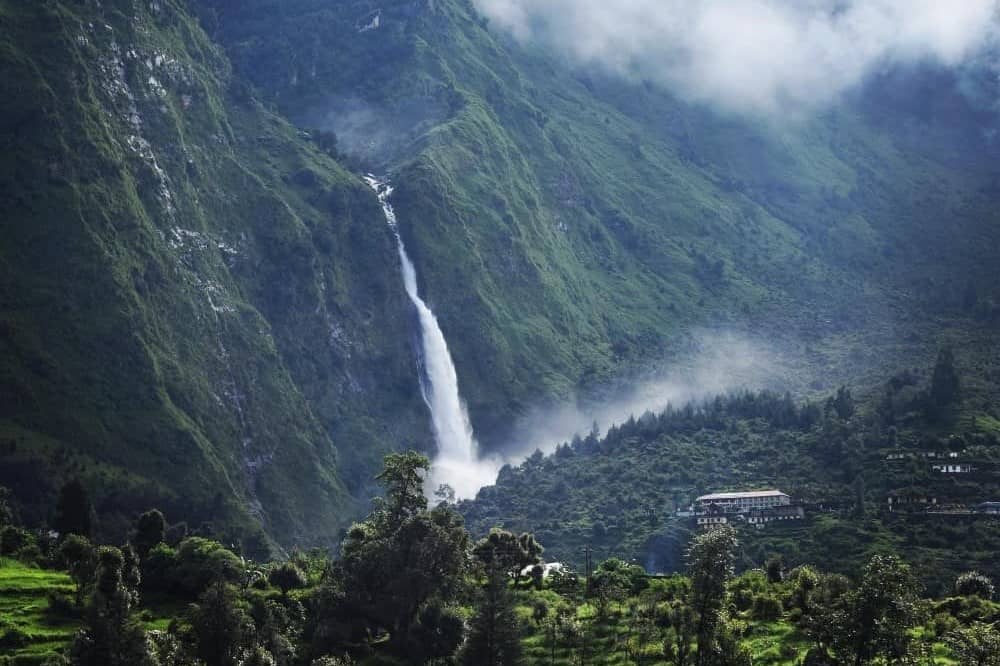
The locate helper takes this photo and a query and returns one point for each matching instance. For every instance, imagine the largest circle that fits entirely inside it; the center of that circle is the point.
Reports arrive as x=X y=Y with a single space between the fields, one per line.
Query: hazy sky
x=756 y=56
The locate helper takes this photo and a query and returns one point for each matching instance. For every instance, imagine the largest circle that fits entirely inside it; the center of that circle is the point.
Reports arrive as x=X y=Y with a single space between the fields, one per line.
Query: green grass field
x=28 y=631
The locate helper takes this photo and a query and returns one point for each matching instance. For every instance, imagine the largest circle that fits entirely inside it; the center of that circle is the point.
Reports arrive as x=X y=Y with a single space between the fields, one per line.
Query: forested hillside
x=570 y=226
x=841 y=459
x=190 y=313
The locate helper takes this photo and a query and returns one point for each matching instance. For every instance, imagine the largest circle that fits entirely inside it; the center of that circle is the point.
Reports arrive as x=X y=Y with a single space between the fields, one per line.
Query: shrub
x=31 y=554
x=13 y=638
x=766 y=608
x=973 y=583
x=61 y=606
x=201 y=562
x=333 y=661
x=13 y=539
x=158 y=568
x=287 y=577
x=942 y=623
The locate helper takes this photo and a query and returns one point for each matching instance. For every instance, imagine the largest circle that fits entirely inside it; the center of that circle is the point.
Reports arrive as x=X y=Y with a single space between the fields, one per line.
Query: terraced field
x=29 y=632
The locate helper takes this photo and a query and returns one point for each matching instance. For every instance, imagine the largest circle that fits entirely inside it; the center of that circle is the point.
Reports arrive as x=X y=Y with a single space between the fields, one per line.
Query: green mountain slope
x=619 y=495
x=201 y=310
x=197 y=305
x=569 y=227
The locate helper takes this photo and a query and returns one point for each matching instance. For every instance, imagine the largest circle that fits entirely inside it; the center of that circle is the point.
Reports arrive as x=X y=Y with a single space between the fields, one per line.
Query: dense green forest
x=411 y=587
x=842 y=457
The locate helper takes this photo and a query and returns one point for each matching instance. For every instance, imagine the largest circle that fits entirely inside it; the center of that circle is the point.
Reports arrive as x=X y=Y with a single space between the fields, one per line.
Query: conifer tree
x=945 y=385
x=150 y=530
x=112 y=637
x=220 y=625
x=74 y=512
x=494 y=638
x=710 y=564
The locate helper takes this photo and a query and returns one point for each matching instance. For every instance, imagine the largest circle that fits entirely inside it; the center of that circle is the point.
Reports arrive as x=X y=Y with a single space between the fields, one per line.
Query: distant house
x=904 y=455
x=711 y=516
x=760 y=517
x=548 y=569
x=706 y=520
x=952 y=468
x=910 y=501
x=742 y=502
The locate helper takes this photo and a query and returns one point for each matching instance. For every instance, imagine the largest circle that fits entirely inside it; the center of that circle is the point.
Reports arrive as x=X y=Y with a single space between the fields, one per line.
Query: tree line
x=410 y=586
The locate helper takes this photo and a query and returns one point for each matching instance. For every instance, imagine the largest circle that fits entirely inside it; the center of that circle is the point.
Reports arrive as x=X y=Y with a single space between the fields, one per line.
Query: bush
x=201 y=562
x=14 y=539
x=61 y=606
x=333 y=661
x=158 y=568
x=13 y=638
x=969 y=609
x=31 y=554
x=287 y=577
x=563 y=582
x=942 y=624
x=973 y=583
x=766 y=608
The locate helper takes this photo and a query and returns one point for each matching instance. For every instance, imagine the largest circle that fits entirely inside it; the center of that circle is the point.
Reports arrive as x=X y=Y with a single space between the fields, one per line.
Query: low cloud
x=754 y=56
x=716 y=363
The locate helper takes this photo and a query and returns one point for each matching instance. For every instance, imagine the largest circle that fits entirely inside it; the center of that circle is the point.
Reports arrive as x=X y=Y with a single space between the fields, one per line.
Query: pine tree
x=710 y=564
x=150 y=530
x=112 y=637
x=6 y=510
x=945 y=385
x=403 y=555
x=74 y=512
x=221 y=626
x=494 y=638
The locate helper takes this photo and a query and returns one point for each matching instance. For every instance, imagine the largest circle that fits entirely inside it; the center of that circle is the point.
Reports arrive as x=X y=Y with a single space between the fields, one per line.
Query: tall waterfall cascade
x=457 y=462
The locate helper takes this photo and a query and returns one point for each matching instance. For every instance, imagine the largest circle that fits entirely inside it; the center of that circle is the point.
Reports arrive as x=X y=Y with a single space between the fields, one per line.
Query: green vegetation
x=200 y=311
x=569 y=227
x=407 y=589
x=844 y=459
x=201 y=303
x=190 y=319
x=27 y=625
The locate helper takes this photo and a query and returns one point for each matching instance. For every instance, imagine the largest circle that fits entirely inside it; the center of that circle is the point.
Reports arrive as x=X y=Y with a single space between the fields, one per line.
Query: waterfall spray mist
x=457 y=462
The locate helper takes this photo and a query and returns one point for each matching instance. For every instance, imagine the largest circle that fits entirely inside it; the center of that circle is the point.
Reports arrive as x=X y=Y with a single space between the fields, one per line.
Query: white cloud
x=757 y=56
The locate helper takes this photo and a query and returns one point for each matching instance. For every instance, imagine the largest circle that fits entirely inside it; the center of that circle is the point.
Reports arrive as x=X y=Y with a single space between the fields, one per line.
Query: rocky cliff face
x=200 y=310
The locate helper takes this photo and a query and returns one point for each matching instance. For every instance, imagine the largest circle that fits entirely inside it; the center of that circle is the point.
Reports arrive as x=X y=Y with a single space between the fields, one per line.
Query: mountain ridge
x=190 y=276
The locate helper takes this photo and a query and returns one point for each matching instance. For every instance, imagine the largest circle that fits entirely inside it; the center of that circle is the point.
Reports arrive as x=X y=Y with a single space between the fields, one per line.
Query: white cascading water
x=457 y=462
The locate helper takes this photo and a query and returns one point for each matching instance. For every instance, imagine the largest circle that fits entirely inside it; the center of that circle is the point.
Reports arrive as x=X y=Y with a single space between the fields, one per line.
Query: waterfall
x=457 y=462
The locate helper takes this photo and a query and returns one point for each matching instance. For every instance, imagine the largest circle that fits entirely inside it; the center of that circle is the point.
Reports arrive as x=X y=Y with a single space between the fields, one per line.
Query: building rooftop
x=741 y=495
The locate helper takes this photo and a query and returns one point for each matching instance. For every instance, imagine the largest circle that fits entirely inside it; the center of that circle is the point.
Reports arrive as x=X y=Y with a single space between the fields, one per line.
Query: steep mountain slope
x=569 y=227
x=201 y=307
x=200 y=310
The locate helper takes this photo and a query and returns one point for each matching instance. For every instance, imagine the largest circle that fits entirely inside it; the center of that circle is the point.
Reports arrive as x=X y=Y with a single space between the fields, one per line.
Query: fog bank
x=753 y=56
